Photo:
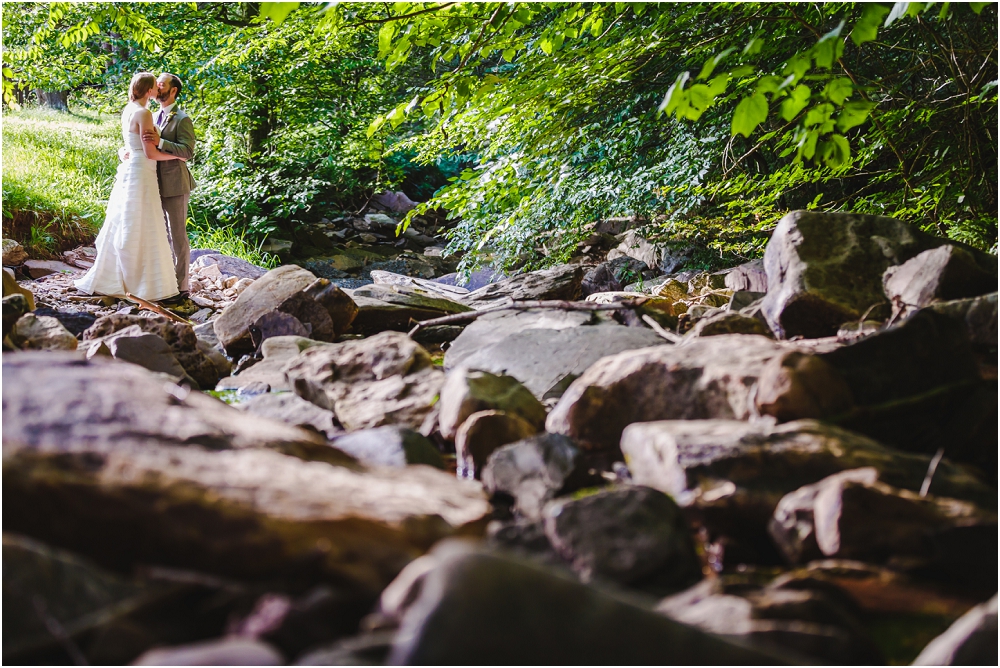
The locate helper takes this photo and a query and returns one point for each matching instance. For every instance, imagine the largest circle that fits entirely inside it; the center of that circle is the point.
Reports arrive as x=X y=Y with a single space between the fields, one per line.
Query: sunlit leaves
x=750 y=112
x=277 y=11
x=866 y=29
x=853 y=114
x=795 y=102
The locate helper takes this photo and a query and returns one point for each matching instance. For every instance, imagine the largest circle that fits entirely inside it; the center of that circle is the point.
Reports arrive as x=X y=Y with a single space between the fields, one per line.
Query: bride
x=133 y=252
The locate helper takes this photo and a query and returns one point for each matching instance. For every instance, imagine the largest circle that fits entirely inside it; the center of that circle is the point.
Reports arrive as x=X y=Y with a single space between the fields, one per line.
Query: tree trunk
x=53 y=99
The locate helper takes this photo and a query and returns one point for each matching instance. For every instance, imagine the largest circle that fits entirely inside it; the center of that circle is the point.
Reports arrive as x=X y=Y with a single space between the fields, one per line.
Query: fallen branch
x=470 y=316
x=156 y=308
x=663 y=334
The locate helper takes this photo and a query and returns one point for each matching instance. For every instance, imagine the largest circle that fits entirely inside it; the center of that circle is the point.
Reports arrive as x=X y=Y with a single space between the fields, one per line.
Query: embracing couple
x=142 y=248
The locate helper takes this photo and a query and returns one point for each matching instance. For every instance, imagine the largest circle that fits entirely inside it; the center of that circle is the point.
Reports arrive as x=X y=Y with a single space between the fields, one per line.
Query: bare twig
x=664 y=334
x=469 y=316
x=925 y=487
x=155 y=308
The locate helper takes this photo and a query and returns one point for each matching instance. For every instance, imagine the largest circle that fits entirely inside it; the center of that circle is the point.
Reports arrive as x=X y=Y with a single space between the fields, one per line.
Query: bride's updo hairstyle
x=141 y=84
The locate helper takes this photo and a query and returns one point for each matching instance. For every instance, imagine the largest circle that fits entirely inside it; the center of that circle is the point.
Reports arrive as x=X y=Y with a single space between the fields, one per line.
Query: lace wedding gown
x=133 y=252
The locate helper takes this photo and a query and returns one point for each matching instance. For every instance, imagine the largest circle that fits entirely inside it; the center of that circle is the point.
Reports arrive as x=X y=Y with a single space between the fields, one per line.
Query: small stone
x=390 y=446
x=42 y=333
x=466 y=392
x=482 y=433
x=13 y=253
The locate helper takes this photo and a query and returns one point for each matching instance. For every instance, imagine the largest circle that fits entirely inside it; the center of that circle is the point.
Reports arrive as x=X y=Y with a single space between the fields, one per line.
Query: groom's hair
x=175 y=82
x=141 y=84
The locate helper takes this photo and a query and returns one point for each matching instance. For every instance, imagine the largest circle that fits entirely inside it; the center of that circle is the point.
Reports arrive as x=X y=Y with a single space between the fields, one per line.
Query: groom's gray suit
x=177 y=135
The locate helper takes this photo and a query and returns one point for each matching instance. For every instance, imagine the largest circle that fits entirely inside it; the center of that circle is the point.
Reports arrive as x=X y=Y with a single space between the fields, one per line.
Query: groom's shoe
x=177 y=299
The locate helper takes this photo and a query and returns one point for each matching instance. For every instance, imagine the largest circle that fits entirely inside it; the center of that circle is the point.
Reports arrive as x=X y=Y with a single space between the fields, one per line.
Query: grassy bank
x=57 y=174
x=58 y=169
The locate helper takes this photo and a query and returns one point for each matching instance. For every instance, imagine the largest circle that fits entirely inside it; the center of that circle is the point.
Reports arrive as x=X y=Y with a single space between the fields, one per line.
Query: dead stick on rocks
x=469 y=316
x=155 y=308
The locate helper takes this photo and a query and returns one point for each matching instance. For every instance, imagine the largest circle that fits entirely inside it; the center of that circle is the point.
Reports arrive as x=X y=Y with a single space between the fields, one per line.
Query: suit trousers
x=175 y=211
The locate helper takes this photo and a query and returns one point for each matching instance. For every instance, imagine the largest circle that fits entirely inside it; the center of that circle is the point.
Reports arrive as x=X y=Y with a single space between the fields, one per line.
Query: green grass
x=58 y=169
x=57 y=174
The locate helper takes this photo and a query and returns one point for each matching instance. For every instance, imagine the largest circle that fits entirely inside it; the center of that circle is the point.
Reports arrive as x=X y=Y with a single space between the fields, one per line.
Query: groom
x=174 y=133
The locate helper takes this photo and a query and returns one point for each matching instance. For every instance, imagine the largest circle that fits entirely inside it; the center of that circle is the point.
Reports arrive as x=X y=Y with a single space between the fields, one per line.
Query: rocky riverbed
x=613 y=461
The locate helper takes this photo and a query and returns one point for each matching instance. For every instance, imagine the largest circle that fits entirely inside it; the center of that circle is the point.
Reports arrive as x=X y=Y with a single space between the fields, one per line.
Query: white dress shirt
x=166 y=112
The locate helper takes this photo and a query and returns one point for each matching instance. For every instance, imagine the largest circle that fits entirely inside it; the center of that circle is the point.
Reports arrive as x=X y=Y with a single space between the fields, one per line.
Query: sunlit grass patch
x=58 y=169
x=229 y=241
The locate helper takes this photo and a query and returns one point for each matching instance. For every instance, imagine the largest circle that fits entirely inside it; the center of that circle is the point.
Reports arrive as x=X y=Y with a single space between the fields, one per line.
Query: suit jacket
x=178 y=139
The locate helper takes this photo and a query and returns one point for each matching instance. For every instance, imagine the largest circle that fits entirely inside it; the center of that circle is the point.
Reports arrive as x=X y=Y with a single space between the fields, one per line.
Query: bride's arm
x=145 y=118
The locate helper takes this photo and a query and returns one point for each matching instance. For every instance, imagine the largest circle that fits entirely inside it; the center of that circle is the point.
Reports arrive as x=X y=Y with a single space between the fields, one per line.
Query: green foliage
x=229 y=241
x=58 y=171
x=710 y=120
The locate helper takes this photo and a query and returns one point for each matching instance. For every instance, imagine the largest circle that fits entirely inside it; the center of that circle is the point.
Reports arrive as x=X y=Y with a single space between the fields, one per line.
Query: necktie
x=159 y=118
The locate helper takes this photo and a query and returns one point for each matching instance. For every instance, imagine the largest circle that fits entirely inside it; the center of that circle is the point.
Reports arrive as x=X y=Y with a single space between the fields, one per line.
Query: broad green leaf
x=717 y=86
x=853 y=114
x=674 y=94
x=711 y=63
x=795 y=102
x=797 y=66
x=508 y=54
x=768 y=84
x=866 y=29
x=750 y=112
x=838 y=90
x=818 y=114
x=899 y=10
x=385 y=35
x=841 y=153
x=277 y=11
x=978 y=7
x=754 y=46
x=700 y=98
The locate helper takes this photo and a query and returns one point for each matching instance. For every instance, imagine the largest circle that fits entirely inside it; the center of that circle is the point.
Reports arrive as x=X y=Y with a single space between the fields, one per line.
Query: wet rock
x=290 y=289
x=940 y=274
x=535 y=470
x=731 y=475
x=286 y=407
x=11 y=287
x=851 y=515
x=561 y=282
x=806 y=623
x=748 y=277
x=41 y=333
x=277 y=352
x=977 y=316
x=13 y=253
x=390 y=446
x=441 y=289
x=382 y=380
x=203 y=368
x=971 y=641
x=471 y=605
x=633 y=536
x=476 y=279
x=220 y=652
x=146 y=350
x=729 y=322
x=229 y=266
x=14 y=306
x=546 y=361
x=743 y=299
x=482 y=433
x=467 y=391
x=709 y=377
x=395 y=307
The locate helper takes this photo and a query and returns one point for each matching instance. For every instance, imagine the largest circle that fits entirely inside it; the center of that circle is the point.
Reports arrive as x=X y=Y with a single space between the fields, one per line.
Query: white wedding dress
x=133 y=252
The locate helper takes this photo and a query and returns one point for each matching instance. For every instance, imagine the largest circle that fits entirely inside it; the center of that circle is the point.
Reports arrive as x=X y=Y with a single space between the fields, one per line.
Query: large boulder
x=382 y=380
x=825 y=269
x=535 y=470
x=915 y=386
x=390 y=446
x=41 y=332
x=13 y=253
x=632 y=535
x=103 y=459
x=546 y=361
x=181 y=340
x=940 y=274
x=384 y=307
x=978 y=318
x=812 y=621
x=710 y=377
x=731 y=474
x=472 y=605
x=468 y=391
x=11 y=287
x=970 y=641
x=482 y=433
x=322 y=307
x=851 y=515
x=561 y=282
